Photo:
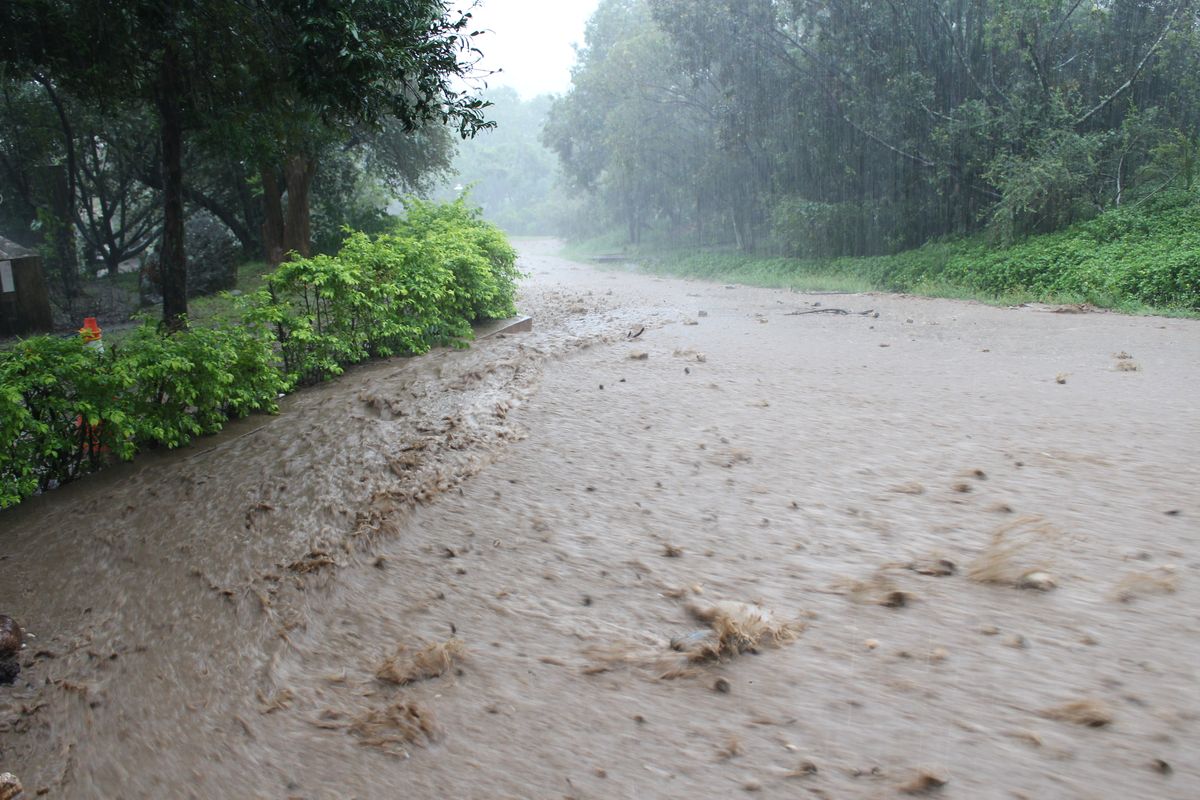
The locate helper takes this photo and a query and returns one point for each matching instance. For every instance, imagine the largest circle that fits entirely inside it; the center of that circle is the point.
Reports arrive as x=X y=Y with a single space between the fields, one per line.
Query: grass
x=1136 y=260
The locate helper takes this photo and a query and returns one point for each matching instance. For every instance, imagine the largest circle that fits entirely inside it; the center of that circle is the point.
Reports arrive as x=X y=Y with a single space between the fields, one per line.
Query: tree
x=866 y=126
x=264 y=66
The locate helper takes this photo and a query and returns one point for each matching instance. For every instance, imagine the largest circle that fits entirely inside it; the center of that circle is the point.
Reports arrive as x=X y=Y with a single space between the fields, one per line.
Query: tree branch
x=1141 y=65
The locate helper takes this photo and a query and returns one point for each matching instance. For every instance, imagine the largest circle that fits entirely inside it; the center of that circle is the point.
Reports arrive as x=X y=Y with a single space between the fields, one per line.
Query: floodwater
x=209 y=623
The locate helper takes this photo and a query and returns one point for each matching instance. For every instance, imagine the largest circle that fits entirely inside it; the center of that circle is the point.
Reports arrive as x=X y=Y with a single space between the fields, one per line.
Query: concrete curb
x=493 y=327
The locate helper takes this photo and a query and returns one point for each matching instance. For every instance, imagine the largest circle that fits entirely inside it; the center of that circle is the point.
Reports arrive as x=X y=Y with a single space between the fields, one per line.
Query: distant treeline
x=858 y=127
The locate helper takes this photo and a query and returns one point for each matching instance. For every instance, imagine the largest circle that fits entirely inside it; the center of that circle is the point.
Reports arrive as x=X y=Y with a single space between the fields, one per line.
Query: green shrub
x=477 y=252
x=190 y=383
x=441 y=268
x=64 y=409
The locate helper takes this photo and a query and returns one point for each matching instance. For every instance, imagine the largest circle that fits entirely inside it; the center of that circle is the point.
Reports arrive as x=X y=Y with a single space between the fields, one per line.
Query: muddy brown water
x=209 y=622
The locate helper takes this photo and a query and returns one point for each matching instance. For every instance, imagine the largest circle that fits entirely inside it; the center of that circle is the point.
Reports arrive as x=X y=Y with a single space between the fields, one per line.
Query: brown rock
x=10 y=787
x=11 y=637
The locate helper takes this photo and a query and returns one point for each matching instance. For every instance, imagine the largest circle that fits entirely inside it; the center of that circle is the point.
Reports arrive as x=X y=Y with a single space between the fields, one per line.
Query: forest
x=868 y=127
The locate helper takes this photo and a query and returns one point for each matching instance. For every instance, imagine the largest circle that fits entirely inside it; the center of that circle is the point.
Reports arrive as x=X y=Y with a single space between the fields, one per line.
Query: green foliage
x=67 y=408
x=865 y=127
x=63 y=409
x=441 y=268
x=477 y=252
x=191 y=383
x=1134 y=257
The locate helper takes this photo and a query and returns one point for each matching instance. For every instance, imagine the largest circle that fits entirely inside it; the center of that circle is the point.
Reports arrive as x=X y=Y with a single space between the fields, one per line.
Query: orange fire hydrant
x=90 y=333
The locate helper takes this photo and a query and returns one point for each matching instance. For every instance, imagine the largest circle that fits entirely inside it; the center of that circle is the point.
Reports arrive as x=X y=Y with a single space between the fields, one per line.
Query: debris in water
x=314 y=561
x=1088 y=712
x=281 y=701
x=880 y=590
x=738 y=627
x=1011 y=544
x=1127 y=366
x=1036 y=580
x=732 y=748
x=636 y=331
x=430 y=661
x=871 y=644
x=924 y=782
x=962 y=488
x=671 y=551
x=701 y=313
x=721 y=685
x=939 y=567
x=1061 y=377
x=1161 y=767
x=804 y=770
x=908 y=488
x=1159 y=581
x=639 y=355
x=401 y=723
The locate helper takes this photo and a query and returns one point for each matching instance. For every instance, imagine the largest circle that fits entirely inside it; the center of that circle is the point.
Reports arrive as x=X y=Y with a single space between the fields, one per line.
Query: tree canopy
x=269 y=85
x=868 y=126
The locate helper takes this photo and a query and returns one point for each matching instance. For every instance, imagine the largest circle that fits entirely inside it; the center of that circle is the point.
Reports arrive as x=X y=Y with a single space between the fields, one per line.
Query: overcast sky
x=530 y=40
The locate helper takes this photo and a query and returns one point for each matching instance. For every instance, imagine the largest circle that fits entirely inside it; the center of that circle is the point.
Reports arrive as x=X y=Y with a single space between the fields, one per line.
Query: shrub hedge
x=66 y=410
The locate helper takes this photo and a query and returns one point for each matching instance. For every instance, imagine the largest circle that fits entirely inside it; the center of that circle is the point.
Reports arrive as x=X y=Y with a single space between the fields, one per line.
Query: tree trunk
x=297 y=229
x=173 y=260
x=58 y=230
x=272 y=218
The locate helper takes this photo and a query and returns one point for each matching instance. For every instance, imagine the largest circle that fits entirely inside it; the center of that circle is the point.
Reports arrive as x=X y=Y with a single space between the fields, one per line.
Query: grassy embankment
x=1141 y=260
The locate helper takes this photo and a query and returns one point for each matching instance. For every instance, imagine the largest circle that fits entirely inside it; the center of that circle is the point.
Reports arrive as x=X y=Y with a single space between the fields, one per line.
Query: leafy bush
x=191 y=383
x=441 y=268
x=63 y=409
x=477 y=252
x=66 y=409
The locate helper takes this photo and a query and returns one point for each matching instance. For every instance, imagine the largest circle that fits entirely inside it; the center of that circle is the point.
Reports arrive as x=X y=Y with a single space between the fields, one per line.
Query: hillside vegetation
x=1133 y=259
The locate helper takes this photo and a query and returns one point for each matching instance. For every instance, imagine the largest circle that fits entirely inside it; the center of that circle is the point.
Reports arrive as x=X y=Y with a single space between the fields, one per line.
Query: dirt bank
x=210 y=623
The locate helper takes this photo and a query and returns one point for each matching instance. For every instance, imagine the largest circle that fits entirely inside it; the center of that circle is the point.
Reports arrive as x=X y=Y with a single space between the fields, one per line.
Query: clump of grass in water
x=431 y=661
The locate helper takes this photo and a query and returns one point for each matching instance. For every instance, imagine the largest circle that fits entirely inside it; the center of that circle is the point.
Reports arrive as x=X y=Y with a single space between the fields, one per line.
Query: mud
x=212 y=622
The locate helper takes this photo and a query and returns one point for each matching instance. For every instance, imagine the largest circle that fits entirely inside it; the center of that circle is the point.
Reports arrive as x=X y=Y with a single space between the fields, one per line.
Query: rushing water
x=209 y=622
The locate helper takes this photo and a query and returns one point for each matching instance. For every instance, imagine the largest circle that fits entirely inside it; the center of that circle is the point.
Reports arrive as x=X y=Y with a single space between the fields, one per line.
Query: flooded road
x=979 y=528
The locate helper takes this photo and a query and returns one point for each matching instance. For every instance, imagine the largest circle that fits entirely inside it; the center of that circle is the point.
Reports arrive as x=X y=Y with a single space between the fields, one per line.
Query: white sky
x=530 y=40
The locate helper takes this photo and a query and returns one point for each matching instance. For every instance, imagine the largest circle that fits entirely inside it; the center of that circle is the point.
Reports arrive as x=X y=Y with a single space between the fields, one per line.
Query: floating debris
x=1037 y=581
x=1160 y=581
x=388 y=729
x=1088 y=712
x=431 y=661
x=10 y=786
x=737 y=628
x=924 y=782
x=1012 y=544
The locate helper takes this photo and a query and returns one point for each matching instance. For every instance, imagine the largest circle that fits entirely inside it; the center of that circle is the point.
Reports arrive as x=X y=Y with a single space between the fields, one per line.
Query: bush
x=441 y=268
x=191 y=383
x=65 y=409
